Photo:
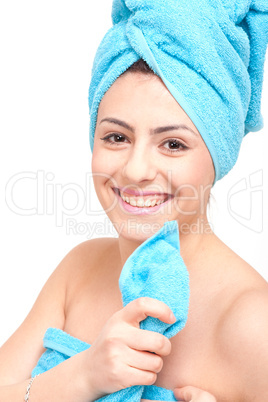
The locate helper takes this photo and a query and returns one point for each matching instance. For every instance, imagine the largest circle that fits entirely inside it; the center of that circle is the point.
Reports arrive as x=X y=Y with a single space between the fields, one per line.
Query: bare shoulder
x=83 y=258
x=49 y=310
x=244 y=319
x=243 y=339
x=236 y=273
x=86 y=266
x=241 y=332
x=78 y=262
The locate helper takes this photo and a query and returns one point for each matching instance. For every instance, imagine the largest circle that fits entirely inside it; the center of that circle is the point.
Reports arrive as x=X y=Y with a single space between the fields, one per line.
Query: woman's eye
x=174 y=145
x=115 y=139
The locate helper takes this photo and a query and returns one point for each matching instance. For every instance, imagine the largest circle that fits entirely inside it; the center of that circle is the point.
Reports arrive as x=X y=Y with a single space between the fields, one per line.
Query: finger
x=139 y=309
x=149 y=341
x=186 y=393
x=144 y=361
x=193 y=394
x=140 y=377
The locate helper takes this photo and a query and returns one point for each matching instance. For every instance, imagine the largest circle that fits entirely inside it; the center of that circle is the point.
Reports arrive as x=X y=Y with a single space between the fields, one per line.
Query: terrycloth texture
x=61 y=346
x=209 y=53
x=156 y=270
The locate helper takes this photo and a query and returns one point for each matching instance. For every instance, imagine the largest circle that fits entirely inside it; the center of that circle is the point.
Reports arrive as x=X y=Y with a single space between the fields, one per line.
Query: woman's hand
x=193 y=394
x=123 y=355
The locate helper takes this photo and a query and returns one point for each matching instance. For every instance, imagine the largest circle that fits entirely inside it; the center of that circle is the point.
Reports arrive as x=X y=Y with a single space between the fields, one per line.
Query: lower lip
x=139 y=210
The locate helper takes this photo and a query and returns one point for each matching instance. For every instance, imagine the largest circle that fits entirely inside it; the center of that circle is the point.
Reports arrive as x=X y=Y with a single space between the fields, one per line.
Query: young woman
x=223 y=347
x=151 y=165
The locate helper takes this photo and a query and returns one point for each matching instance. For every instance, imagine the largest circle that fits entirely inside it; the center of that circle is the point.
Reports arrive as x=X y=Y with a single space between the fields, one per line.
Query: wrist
x=84 y=377
x=28 y=389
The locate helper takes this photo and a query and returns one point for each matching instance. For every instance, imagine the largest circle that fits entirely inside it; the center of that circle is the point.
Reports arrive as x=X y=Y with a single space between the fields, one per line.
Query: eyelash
x=182 y=147
x=107 y=139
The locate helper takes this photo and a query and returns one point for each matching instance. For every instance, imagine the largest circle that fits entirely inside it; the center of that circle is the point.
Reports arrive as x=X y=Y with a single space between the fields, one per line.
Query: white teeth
x=147 y=203
x=133 y=202
x=140 y=202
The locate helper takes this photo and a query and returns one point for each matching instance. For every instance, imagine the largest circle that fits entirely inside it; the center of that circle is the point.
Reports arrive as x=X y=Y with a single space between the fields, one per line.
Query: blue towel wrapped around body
x=210 y=55
x=155 y=269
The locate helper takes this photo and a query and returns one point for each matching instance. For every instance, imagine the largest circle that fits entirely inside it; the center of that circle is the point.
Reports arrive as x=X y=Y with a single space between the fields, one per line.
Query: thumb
x=143 y=307
x=193 y=394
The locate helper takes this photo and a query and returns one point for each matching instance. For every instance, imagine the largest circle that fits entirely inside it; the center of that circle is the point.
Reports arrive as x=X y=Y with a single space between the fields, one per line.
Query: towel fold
x=210 y=55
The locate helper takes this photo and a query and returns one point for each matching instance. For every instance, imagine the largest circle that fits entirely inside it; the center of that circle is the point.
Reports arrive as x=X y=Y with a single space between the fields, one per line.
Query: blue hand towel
x=210 y=55
x=155 y=269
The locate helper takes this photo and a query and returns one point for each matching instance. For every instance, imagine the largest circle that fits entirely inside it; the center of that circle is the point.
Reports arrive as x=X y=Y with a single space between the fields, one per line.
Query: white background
x=47 y=49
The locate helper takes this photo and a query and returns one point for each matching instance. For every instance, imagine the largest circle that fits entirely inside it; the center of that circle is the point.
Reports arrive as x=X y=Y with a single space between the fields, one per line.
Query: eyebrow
x=118 y=122
x=158 y=130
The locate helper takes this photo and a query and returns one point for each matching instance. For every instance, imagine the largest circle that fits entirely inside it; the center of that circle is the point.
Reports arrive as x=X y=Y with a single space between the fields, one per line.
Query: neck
x=126 y=248
x=194 y=239
x=192 y=242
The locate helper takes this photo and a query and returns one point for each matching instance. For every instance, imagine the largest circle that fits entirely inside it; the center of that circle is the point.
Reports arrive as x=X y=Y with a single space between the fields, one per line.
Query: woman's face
x=150 y=164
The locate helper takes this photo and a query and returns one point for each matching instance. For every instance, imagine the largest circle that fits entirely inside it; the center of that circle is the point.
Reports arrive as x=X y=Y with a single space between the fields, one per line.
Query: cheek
x=101 y=183
x=192 y=184
x=99 y=170
x=104 y=160
x=103 y=170
x=98 y=161
x=200 y=171
x=205 y=166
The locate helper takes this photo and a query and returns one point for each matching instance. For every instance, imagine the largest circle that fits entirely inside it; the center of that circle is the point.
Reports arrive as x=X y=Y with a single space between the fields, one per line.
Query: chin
x=138 y=230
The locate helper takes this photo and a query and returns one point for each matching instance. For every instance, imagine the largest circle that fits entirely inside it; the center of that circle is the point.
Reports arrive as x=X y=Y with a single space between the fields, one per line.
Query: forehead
x=144 y=97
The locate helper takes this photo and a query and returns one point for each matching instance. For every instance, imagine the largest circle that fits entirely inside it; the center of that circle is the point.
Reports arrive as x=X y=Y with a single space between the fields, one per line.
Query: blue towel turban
x=210 y=55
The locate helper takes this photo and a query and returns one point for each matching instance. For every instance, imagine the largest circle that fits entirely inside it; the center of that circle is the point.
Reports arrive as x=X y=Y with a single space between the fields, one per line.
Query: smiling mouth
x=144 y=201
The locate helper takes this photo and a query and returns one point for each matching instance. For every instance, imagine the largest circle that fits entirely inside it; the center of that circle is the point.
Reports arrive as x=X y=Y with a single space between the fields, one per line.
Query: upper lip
x=139 y=193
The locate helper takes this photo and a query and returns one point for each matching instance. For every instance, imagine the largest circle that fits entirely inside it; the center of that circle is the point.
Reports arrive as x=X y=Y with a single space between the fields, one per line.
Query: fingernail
x=172 y=317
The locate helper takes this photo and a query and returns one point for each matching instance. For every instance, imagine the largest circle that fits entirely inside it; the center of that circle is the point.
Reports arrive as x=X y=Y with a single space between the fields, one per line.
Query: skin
x=222 y=353
x=143 y=161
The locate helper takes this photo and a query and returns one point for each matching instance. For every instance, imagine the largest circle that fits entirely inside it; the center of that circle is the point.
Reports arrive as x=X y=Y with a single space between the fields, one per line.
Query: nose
x=139 y=166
